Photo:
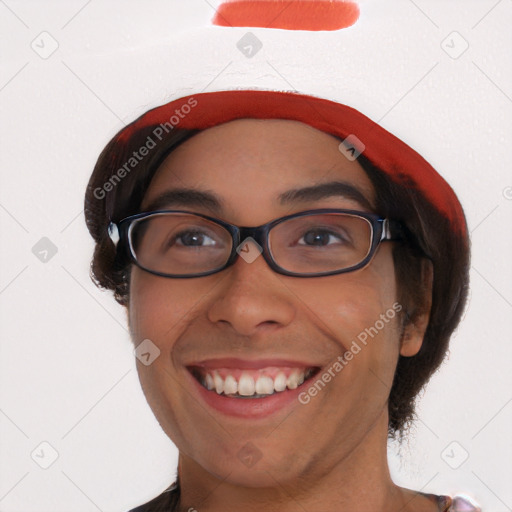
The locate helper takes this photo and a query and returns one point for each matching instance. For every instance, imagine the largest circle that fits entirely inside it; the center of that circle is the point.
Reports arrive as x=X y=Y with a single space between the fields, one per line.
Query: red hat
x=359 y=134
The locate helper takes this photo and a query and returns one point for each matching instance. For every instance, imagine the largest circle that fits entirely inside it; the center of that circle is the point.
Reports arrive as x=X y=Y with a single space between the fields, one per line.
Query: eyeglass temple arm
x=394 y=230
x=113 y=233
x=391 y=230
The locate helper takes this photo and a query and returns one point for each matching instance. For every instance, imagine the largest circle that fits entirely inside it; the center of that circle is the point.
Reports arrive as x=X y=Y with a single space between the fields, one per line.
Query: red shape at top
x=311 y=15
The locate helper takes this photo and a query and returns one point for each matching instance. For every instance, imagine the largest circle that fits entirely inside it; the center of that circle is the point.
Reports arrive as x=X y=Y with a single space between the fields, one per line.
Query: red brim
x=384 y=150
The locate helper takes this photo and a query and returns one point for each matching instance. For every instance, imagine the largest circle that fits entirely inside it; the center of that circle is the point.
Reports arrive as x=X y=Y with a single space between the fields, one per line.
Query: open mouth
x=252 y=383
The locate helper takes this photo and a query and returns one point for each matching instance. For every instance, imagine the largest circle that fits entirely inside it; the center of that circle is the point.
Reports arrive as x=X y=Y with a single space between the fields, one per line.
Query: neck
x=339 y=481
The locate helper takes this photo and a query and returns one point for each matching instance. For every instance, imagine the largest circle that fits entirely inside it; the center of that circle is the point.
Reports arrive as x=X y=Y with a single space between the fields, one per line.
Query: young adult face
x=251 y=313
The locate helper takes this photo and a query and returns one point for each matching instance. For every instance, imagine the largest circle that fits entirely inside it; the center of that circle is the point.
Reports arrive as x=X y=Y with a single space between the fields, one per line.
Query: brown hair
x=430 y=237
x=117 y=187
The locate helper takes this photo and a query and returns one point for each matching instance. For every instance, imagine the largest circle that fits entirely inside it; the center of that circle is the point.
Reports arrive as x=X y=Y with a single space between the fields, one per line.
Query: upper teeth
x=247 y=385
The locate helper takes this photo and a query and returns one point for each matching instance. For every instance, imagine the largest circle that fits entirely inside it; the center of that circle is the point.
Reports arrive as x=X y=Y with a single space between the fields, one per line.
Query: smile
x=251 y=383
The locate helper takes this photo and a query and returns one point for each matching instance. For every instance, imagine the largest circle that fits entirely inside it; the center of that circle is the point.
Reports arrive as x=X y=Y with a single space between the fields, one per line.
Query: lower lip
x=249 y=407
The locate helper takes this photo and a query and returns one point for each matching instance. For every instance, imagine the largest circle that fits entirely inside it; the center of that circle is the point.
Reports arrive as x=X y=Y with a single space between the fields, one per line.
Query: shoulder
x=455 y=504
x=164 y=502
x=463 y=504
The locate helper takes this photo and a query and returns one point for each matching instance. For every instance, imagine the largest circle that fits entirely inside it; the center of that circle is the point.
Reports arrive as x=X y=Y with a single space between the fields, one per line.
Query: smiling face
x=247 y=318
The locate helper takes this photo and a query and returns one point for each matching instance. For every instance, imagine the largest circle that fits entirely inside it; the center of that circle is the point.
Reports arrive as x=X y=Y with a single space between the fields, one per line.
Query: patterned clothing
x=456 y=504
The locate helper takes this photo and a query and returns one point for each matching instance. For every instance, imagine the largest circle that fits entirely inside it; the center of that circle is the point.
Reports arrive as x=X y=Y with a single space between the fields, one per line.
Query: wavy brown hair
x=429 y=238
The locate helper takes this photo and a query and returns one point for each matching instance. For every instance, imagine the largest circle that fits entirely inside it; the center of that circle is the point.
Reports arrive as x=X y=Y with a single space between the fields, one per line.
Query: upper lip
x=236 y=363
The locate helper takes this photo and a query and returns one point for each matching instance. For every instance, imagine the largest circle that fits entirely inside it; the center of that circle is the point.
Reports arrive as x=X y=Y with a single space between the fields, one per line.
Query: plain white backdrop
x=437 y=74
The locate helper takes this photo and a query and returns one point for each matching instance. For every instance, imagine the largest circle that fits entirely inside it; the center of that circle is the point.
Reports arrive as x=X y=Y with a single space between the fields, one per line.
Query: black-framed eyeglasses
x=311 y=243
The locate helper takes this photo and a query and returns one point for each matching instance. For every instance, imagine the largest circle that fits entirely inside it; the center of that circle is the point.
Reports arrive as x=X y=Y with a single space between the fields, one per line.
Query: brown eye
x=194 y=239
x=321 y=237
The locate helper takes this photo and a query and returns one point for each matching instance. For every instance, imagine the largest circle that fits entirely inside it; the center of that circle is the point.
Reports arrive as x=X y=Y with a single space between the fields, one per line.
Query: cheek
x=350 y=303
x=160 y=308
x=360 y=312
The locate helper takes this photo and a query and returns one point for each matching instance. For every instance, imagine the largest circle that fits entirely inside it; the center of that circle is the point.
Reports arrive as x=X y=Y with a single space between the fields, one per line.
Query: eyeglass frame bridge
x=383 y=229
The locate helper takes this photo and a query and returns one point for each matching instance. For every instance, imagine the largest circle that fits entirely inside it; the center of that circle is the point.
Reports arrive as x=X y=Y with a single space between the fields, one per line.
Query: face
x=248 y=317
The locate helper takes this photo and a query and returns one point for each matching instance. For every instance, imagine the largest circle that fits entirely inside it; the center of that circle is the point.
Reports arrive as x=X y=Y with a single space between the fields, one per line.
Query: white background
x=67 y=372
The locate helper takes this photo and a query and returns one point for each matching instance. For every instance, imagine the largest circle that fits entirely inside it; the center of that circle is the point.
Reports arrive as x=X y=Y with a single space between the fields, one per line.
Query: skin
x=328 y=455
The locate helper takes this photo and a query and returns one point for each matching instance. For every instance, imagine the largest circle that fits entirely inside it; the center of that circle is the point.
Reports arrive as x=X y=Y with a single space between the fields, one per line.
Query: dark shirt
x=165 y=502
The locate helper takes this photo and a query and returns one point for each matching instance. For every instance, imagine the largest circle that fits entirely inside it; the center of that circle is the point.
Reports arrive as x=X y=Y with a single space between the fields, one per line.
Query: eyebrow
x=323 y=191
x=189 y=197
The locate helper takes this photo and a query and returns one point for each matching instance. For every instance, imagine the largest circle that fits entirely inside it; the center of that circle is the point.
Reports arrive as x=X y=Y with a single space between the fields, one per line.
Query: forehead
x=250 y=163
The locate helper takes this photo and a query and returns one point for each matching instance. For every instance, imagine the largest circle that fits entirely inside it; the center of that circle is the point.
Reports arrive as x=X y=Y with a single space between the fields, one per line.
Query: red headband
x=384 y=150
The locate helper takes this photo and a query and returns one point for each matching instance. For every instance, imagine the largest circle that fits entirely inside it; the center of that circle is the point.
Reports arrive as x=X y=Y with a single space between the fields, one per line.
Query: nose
x=252 y=297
